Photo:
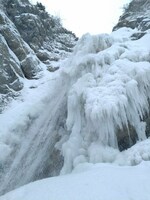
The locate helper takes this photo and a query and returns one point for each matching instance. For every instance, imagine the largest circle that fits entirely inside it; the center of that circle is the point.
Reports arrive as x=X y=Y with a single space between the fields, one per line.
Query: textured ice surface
x=102 y=87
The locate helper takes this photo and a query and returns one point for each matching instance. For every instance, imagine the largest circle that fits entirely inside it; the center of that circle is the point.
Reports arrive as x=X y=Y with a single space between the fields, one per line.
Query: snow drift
x=90 y=182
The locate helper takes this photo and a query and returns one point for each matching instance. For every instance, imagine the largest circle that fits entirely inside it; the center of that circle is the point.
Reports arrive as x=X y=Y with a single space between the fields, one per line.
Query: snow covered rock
x=19 y=48
x=40 y=30
x=31 y=41
x=136 y=15
x=15 y=64
x=10 y=69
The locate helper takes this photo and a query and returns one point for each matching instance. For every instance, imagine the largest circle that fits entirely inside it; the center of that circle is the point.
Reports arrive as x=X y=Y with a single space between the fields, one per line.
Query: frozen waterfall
x=36 y=150
x=101 y=90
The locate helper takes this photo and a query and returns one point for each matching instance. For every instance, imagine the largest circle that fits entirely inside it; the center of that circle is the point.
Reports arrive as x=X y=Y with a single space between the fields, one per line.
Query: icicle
x=110 y=91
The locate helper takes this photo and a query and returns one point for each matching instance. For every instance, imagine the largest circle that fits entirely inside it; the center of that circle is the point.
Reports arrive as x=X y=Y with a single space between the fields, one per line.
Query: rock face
x=43 y=32
x=14 y=65
x=136 y=15
x=29 y=36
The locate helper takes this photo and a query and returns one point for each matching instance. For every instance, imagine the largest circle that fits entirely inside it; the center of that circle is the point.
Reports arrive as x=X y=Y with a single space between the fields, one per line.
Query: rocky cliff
x=30 y=40
x=136 y=15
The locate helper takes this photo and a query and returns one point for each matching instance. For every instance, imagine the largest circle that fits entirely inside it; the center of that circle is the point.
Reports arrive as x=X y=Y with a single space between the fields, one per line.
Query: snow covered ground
x=103 y=85
x=90 y=182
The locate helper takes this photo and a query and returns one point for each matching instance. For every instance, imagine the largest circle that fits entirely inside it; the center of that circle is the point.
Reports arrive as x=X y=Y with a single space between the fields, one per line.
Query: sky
x=82 y=16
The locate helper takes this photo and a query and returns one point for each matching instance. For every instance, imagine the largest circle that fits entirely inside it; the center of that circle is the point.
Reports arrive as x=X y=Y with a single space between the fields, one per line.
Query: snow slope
x=90 y=182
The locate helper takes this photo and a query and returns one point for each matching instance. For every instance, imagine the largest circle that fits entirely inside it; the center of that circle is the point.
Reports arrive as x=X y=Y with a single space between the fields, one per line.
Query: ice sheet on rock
x=109 y=90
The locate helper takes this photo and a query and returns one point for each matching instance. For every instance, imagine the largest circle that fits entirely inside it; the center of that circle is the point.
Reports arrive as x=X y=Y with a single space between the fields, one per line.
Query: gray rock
x=126 y=137
x=28 y=35
x=16 y=43
x=38 y=28
x=17 y=61
x=29 y=67
x=9 y=69
x=136 y=15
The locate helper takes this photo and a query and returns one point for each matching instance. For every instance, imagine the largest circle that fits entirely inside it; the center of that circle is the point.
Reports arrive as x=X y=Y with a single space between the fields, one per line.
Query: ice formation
x=109 y=90
x=101 y=88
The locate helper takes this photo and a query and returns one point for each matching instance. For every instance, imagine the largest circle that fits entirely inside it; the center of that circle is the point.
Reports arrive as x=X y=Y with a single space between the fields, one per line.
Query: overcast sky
x=82 y=16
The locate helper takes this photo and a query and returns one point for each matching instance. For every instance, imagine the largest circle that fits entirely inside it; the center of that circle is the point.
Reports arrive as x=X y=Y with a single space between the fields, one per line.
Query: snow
x=90 y=182
x=134 y=155
x=20 y=113
x=102 y=87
